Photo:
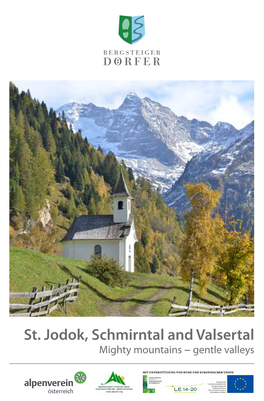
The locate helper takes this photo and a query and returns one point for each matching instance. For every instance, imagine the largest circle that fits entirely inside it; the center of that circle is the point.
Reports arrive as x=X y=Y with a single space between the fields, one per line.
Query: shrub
x=108 y=271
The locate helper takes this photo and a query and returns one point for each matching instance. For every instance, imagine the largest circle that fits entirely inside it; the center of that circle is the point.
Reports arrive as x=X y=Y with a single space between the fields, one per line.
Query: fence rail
x=205 y=308
x=40 y=302
x=210 y=309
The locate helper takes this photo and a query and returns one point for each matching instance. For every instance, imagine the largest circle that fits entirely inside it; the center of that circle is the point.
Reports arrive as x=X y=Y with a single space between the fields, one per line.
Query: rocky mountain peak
x=132 y=100
x=150 y=137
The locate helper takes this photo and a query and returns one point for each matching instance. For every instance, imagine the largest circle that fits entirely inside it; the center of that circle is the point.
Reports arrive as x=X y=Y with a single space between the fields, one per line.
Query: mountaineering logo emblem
x=131 y=29
x=115 y=378
x=80 y=377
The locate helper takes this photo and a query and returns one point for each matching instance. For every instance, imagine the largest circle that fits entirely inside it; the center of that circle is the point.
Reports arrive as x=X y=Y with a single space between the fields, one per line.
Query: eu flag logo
x=240 y=384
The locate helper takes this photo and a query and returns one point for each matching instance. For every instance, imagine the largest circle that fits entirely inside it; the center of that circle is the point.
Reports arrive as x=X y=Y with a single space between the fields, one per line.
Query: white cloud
x=231 y=110
x=212 y=101
x=228 y=101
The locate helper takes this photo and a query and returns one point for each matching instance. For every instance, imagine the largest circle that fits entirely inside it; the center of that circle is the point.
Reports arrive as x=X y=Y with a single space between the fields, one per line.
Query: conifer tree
x=78 y=179
x=92 y=206
x=17 y=198
x=24 y=159
x=130 y=174
x=41 y=175
x=111 y=170
x=72 y=208
x=60 y=170
x=48 y=140
x=141 y=260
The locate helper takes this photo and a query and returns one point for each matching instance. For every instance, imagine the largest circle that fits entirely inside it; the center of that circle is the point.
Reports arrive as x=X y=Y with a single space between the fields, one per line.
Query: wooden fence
x=40 y=303
x=210 y=309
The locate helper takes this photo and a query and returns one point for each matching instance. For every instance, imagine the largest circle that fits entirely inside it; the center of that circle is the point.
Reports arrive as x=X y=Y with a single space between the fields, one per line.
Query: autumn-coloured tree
x=203 y=234
x=235 y=265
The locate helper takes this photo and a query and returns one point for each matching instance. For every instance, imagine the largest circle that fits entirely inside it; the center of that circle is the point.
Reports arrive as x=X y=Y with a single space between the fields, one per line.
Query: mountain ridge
x=230 y=169
x=143 y=132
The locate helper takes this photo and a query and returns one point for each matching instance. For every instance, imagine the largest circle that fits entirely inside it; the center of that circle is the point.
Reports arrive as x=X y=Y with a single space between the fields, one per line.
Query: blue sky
x=212 y=101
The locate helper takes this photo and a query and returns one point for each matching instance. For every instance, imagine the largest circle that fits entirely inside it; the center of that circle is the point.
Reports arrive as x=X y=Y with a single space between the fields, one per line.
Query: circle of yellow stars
x=240 y=384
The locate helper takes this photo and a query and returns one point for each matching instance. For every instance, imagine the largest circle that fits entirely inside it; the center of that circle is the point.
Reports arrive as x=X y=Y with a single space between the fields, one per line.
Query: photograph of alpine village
x=131 y=198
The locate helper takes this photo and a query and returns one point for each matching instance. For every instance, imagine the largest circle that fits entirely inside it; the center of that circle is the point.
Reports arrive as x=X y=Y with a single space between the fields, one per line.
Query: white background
x=64 y=40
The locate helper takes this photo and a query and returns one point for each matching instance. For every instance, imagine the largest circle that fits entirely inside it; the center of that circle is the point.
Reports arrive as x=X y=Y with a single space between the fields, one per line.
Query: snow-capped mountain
x=229 y=169
x=148 y=136
x=170 y=151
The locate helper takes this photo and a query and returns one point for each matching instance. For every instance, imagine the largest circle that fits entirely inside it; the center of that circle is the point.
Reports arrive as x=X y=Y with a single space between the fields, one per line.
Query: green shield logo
x=131 y=29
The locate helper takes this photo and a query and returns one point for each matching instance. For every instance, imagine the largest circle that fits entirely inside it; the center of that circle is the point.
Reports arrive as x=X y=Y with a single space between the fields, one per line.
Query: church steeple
x=122 y=201
x=121 y=189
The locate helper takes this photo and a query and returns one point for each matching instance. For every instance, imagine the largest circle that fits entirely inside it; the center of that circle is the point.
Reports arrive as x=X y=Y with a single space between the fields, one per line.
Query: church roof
x=121 y=189
x=97 y=227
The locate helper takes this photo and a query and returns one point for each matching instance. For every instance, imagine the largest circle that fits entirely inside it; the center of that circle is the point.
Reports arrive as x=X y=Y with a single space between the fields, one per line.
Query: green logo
x=80 y=377
x=131 y=29
x=115 y=378
x=145 y=385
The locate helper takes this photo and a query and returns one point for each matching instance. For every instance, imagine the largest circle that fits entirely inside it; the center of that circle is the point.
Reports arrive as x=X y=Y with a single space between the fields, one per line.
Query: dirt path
x=113 y=308
x=139 y=308
x=145 y=308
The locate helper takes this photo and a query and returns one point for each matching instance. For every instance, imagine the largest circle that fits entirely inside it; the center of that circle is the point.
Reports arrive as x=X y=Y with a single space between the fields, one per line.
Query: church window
x=120 y=205
x=98 y=250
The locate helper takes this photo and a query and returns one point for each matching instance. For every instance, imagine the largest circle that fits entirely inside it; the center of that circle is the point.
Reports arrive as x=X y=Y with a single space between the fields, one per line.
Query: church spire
x=121 y=189
x=122 y=201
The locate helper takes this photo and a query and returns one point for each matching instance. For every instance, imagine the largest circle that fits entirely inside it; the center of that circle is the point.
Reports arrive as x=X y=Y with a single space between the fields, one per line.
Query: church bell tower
x=122 y=201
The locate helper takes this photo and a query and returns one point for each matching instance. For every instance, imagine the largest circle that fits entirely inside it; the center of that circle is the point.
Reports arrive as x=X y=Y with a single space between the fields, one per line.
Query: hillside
x=146 y=294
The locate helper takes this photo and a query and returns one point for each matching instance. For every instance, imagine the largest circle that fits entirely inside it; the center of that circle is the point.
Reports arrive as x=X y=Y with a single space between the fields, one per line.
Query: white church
x=111 y=235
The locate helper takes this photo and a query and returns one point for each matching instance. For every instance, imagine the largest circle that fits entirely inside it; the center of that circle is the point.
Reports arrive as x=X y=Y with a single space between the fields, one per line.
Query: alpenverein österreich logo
x=80 y=377
x=131 y=29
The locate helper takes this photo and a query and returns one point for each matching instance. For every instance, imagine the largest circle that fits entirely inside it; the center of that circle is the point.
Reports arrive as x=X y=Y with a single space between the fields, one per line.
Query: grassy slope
x=29 y=268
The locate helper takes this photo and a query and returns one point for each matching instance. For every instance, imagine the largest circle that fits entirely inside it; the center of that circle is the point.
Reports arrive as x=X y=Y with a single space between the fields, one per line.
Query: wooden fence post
x=66 y=301
x=221 y=311
x=190 y=293
x=35 y=290
x=78 y=286
x=49 y=297
x=57 y=302
x=41 y=299
x=171 y=308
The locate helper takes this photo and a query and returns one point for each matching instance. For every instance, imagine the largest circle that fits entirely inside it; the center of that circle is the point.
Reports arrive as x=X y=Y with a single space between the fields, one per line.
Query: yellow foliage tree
x=235 y=266
x=203 y=234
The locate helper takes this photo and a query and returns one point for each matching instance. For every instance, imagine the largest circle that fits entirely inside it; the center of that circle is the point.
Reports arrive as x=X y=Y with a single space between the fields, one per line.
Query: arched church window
x=120 y=205
x=98 y=250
